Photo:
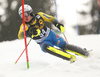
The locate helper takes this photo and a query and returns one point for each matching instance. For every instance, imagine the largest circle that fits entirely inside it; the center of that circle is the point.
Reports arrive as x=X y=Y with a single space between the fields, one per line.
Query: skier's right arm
x=21 y=31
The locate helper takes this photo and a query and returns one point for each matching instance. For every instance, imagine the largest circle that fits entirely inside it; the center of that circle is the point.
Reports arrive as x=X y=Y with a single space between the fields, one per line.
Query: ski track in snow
x=46 y=65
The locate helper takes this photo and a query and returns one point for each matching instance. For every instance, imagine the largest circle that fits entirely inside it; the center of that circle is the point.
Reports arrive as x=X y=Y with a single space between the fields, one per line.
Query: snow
x=46 y=65
x=14 y=5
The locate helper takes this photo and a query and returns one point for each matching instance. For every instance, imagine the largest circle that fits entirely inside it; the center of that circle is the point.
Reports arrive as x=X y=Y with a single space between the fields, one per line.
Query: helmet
x=27 y=8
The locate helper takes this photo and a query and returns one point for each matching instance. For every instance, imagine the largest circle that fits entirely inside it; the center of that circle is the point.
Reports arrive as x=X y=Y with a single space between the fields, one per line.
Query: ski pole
x=57 y=19
x=24 y=49
x=65 y=37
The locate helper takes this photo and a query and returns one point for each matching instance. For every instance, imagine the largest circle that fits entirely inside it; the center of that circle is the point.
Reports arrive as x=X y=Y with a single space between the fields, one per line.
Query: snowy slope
x=45 y=65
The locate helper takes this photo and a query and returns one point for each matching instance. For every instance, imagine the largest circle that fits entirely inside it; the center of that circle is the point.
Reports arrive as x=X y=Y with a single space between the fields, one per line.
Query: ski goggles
x=26 y=14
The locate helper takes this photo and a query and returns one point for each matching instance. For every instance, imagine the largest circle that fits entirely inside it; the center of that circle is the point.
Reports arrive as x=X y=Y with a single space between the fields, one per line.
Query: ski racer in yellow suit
x=46 y=38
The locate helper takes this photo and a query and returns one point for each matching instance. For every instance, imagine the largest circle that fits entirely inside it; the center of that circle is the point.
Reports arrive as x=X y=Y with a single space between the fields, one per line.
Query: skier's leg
x=56 y=52
x=77 y=50
x=60 y=42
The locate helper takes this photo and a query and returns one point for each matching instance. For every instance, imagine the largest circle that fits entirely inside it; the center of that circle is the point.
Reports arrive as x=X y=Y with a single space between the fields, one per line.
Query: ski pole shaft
x=19 y=56
x=65 y=38
x=24 y=49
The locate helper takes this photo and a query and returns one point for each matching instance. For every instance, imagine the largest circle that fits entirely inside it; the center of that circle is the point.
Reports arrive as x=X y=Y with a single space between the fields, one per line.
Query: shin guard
x=76 y=50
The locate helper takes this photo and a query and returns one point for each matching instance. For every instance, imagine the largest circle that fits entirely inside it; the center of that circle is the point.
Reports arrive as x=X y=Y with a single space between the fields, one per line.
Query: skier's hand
x=60 y=27
x=34 y=31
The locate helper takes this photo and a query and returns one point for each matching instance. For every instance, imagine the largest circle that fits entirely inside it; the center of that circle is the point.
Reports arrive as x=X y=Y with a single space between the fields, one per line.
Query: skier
x=46 y=38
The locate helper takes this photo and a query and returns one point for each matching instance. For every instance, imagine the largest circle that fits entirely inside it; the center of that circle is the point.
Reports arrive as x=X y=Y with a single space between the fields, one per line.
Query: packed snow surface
x=46 y=65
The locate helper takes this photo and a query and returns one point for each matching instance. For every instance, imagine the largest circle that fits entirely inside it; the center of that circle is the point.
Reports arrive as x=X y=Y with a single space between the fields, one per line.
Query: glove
x=60 y=27
x=34 y=31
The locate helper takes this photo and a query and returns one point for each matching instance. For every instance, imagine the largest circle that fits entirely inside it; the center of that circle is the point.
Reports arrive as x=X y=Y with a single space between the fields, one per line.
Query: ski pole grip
x=32 y=36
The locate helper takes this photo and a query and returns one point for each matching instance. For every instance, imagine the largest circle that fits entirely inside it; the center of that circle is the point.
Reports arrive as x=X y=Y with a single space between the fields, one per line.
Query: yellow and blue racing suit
x=47 y=38
x=46 y=35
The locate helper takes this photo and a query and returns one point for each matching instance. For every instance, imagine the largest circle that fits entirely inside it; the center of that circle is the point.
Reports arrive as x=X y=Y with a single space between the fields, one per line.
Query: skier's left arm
x=21 y=31
x=53 y=20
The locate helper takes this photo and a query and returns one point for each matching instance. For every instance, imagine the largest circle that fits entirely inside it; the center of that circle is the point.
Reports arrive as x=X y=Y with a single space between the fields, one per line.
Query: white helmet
x=27 y=8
